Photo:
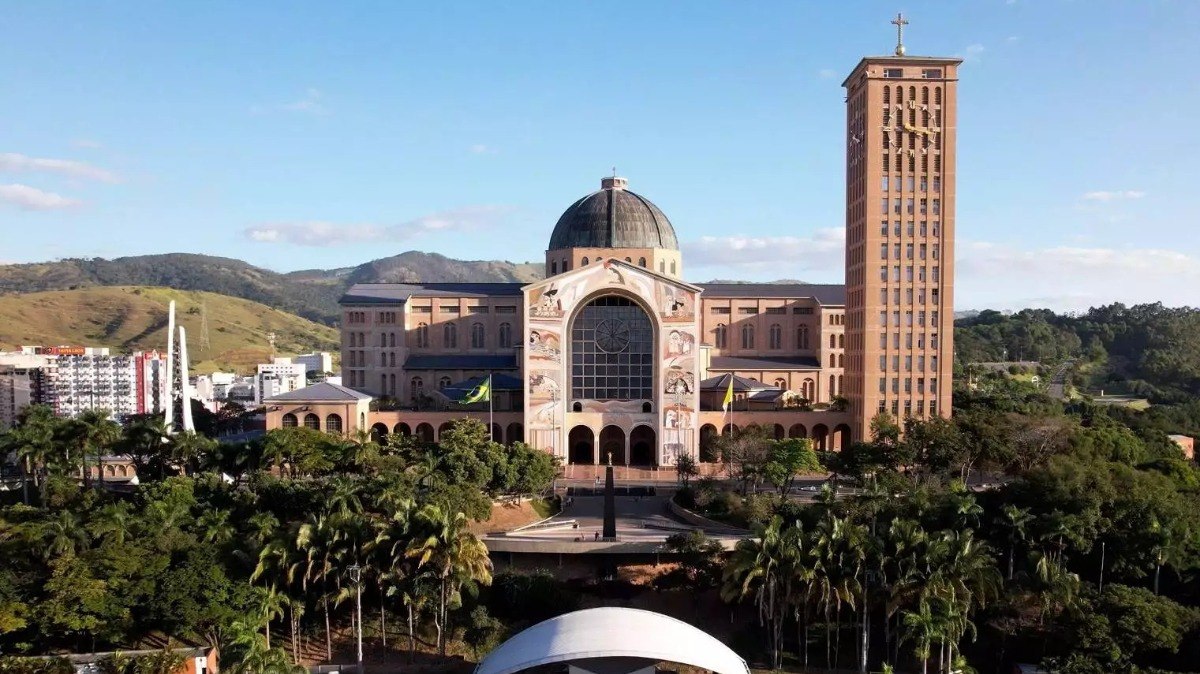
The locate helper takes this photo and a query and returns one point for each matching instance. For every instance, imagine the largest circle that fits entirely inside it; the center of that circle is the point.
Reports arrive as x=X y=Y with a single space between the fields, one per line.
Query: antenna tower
x=204 y=345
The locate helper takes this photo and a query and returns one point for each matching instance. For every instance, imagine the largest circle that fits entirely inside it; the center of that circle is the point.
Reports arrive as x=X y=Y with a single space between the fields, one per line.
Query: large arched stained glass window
x=612 y=351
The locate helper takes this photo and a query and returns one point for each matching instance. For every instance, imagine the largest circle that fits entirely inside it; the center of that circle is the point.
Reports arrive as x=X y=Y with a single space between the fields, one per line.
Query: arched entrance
x=444 y=429
x=497 y=434
x=780 y=433
x=643 y=448
x=798 y=431
x=379 y=433
x=612 y=446
x=425 y=432
x=820 y=437
x=516 y=433
x=841 y=436
x=402 y=429
x=582 y=444
x=709 y=451
x=730 y=430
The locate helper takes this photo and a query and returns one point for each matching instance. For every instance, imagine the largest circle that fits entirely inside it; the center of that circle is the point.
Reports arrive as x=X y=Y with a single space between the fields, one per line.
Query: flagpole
x=491 y=389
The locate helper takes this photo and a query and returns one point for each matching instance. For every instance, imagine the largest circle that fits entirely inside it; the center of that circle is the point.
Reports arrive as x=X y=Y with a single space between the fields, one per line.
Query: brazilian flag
x=480 y=394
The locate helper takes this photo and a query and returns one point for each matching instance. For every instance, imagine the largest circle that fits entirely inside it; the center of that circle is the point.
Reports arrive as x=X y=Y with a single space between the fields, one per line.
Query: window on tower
x=893 y=73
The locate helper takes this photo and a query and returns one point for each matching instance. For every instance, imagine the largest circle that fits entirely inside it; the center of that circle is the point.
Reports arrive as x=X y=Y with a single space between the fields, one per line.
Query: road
x=1058 y=381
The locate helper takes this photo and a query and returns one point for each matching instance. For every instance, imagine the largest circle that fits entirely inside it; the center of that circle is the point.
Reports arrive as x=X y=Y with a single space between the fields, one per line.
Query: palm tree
x=282 y=564
x=93 y=432
x=1057 y=587
x=256 y=654
x=1014 y=519
x=187 y=450
x=758 y=567
x=61 y=535
x=113 y=522
x=215 y=527
x=343 y=497
x=452 y=554
x=390 y=556
x=145 y=442
x=32 y=442
x=317 y=539
x=922 y=626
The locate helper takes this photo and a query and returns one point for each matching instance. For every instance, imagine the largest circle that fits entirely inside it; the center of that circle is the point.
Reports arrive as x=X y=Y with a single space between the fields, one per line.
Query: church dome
x=614 y=217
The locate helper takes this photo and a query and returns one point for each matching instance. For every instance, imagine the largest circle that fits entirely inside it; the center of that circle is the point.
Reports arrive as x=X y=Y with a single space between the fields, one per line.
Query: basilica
x=614 y=357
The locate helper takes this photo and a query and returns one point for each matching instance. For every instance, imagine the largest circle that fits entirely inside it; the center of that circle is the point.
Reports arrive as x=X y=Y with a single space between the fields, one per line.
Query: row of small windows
x=803 y=311
x=908 y=340
x=888 y=164
x=910 y=206
x=908 y=318
x=774 y=337
x=910 y=183
x=504 y=336
x=912 y=91
x=566 y=264
x=909 y=295
x=908 y=407
x=921 y=249
x=908 y=364
x=908 y=273
x=910 y=230
x=333 y=422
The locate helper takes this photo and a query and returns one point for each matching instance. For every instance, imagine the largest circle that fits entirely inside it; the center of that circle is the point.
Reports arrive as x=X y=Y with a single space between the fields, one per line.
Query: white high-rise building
x=22 y=376
x=319 y=362
x=277 y=377
x=73 y=379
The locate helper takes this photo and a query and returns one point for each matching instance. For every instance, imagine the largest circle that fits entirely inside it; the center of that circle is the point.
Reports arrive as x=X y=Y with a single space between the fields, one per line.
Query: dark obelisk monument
x=610 y=506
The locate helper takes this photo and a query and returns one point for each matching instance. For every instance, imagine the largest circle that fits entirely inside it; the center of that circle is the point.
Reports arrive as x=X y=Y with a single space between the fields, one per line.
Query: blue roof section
x=764 y=363
x=398 y=293
x=322 y=392
x=833 y=294
x=462 y=362
x=500 y=382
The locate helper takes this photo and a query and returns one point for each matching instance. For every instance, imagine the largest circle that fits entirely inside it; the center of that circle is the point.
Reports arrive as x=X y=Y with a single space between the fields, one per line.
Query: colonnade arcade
x=637 y=446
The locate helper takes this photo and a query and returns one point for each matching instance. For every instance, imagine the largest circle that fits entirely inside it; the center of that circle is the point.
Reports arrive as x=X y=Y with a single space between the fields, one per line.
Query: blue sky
x=301 y=135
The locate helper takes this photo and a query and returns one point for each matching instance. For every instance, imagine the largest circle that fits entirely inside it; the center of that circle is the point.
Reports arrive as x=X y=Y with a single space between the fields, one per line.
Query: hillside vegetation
x=1147 y=349
x=311 y=293
x=126 y=318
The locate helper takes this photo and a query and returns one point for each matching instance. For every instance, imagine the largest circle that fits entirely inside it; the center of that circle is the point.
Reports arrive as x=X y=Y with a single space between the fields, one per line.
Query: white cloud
x=310 y=103
x=1013 y=38
x=480 y=148
x=1073 y=277
x=12 y=162
x=32 y=199
x=973 y=52
x=1113 y=195
x=827 y=73
x=85 y=144
x=324 y=233
x=778 y=255
x=988 y=275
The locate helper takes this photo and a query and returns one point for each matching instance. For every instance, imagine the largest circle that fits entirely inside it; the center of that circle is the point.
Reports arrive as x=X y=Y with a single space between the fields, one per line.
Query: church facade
x=613 y=356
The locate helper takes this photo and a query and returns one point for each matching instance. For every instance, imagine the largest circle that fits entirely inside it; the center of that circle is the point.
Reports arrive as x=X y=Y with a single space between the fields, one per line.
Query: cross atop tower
x=899 y=22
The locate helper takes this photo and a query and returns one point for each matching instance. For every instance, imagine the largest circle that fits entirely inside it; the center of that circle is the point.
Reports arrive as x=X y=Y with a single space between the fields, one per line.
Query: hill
x=127 y=318
x=310 y=293
x=1147 y=350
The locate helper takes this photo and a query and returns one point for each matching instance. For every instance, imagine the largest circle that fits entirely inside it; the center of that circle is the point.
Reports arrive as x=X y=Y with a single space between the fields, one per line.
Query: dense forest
x=221 y=542
x=1147 y=349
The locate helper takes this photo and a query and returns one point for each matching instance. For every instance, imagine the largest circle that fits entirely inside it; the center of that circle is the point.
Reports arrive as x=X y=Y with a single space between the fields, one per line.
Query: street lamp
x=356 y=578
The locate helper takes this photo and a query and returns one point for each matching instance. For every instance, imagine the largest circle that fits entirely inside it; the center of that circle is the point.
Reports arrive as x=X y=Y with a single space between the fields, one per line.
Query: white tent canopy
x=612 y=632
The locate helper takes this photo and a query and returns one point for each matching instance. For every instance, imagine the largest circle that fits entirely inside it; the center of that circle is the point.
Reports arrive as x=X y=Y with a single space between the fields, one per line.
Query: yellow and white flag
x=727 y=404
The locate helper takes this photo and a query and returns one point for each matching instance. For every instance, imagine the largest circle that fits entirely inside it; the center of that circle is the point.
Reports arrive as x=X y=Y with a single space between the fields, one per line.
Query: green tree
x=452 y=554
x=786 y=459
